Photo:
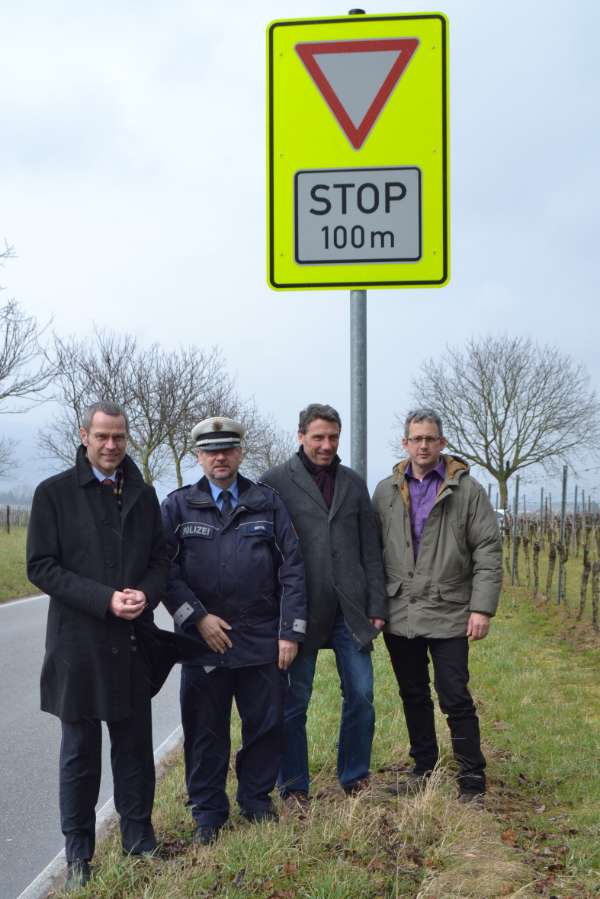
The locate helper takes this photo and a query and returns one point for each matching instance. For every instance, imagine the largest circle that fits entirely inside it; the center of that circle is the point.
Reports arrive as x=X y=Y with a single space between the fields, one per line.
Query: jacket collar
x=133 y=480
x=250 y=497
x=303 y=479
x=455 y=469
x=85 y=475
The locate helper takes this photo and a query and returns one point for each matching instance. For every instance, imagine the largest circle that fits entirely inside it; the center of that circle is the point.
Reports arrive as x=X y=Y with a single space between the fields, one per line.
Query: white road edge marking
x=11 y=603
x=45 y=881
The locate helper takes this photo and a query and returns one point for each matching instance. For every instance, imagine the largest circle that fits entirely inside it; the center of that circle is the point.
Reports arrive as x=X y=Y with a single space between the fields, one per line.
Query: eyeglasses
x=426 y=440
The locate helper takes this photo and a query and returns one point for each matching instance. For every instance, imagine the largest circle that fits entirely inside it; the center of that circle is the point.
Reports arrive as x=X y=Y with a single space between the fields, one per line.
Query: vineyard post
x=514 y=532
x=563 y=511
x=574 y=542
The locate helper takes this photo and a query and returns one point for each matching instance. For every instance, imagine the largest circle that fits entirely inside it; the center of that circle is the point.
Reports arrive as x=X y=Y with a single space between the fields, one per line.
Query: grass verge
x=539 y=835
x=13 y=580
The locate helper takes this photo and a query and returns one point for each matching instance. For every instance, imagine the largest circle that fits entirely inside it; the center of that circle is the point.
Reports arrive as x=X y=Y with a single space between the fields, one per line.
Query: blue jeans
x=357 y=724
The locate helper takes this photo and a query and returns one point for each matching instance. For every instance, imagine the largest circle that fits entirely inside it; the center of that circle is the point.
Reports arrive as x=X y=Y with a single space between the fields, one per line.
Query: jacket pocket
x=456 y=593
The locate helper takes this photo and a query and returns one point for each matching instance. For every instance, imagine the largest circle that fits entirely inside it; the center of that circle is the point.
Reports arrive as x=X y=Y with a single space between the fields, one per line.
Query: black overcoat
x=86 y=670
x=340 y=548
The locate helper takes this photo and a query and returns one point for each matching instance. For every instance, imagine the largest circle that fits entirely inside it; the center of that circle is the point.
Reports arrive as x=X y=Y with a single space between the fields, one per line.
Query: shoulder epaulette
x=178 y=489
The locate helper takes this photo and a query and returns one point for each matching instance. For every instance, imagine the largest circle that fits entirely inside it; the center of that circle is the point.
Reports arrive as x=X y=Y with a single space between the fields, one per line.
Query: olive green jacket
x=459 y=566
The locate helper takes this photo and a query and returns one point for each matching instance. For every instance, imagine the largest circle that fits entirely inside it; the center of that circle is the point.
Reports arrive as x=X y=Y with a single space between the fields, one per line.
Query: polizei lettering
x=191 y=529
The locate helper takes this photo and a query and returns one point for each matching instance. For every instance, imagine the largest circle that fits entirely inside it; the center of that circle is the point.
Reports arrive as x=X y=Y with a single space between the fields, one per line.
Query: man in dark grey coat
x=95 y=544
x=347 y=606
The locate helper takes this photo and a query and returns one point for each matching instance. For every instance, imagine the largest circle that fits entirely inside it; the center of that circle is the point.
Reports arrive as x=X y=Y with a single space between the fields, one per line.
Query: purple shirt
x=423 y=495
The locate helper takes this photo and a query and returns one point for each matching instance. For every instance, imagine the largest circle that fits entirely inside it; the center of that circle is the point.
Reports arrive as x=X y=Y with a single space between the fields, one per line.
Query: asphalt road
x=30 y=834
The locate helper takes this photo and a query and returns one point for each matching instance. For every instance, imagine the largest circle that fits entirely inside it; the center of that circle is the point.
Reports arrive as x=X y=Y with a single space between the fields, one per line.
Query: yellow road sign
x=358 y=192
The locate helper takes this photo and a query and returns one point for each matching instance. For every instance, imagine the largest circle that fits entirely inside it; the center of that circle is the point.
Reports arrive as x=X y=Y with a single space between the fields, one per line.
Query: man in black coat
x=347 y=604
x=95 y=545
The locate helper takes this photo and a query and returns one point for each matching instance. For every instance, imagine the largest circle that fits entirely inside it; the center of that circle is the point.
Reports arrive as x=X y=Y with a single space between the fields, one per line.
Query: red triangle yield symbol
x=357 y=132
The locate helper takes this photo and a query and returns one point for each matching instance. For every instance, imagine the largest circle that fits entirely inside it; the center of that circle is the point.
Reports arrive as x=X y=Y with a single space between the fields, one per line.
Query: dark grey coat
x=86 y=671
x=341 y=551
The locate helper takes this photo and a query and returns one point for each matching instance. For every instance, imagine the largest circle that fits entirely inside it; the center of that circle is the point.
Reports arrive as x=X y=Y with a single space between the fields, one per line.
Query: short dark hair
x=315 y=411
x=423 y=415
x=107 y=408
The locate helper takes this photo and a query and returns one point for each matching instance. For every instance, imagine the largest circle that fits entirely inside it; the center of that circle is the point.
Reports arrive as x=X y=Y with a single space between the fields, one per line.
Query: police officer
x=236 y=583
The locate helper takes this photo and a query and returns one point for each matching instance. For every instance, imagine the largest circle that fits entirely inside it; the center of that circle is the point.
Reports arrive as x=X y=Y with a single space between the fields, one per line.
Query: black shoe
x=78 y=874
x=205 y=834
x=474 y=798
x=261 y=816
x=149 y=855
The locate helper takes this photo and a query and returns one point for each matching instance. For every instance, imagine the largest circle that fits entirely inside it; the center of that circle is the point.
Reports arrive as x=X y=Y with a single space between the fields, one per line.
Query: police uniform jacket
x=79 y=553
x=246 y=569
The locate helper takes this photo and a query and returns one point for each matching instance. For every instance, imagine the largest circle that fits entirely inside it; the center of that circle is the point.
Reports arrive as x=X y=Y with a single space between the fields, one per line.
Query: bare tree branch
x=266 y=445
x=23 y=372
x=7 y=456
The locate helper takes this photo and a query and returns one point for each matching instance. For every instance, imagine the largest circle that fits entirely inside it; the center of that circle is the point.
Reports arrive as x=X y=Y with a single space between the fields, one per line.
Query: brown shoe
x=410 y=786
x=296 y=800
x=357 y=787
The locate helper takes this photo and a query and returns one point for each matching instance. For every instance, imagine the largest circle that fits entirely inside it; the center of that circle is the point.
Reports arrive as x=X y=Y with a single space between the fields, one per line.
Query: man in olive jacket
x=443 y=569
x=347 y=607
x=95 y=544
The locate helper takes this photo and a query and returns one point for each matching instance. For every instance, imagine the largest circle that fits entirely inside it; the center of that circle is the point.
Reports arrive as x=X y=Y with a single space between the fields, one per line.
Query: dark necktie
x=227 y=507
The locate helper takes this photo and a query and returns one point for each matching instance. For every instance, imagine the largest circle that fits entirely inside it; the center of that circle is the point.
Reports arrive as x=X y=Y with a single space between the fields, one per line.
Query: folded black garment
x=163 y=649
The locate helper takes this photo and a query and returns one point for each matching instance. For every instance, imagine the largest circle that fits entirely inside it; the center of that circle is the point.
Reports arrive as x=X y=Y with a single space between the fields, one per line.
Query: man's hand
x=214 y=631
x=288 y=650
x=127 y=604
x=478 y=626
x=379 y=623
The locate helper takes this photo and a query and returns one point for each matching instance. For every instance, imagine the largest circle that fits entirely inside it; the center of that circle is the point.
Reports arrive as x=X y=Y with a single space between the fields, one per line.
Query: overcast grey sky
x=133 y=180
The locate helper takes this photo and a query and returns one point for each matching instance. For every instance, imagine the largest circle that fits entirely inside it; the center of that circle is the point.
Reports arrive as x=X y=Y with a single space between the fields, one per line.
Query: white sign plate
x=357 y=215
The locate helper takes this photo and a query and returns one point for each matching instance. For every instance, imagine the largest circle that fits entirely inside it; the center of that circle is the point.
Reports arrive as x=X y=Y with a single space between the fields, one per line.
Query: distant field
x=13 y=580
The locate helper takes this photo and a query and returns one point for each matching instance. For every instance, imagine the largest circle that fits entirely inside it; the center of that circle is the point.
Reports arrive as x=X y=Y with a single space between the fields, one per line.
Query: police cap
x=217 y=433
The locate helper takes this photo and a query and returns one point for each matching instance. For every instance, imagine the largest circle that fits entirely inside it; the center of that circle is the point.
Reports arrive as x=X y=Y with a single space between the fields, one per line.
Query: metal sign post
x=358 y=381
x=358 y=369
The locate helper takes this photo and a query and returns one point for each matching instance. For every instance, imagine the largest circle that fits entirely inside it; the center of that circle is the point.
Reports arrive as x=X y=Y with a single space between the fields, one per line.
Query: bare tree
x=508 y=404
x=165 y=395
x=23 y=373
x=110 y=367
x=85 y=372
x=7 y=455
x=194 y=385
x=266 y=444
